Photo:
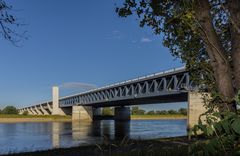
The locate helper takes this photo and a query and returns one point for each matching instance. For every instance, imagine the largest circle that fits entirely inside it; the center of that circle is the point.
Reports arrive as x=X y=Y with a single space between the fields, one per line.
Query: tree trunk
x=217 y=55
x=233 y=7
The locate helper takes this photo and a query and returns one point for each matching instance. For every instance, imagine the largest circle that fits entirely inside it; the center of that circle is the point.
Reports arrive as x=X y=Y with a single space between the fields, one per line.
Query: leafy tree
x=182 y=111
x=25 y=113
x=204 y=34
x=172 y=112
x=152 y=112
x=161 y=112
x=10 y=110
x=8 y=23
x=137 y=111
x=107 y=111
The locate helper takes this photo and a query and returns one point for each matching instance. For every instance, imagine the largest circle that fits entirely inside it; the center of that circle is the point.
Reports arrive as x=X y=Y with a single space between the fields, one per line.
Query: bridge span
x=164 y=87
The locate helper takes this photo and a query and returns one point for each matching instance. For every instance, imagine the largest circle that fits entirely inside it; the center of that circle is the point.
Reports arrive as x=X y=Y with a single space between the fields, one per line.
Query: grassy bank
x=125 y=147
x=152 y=117
x=4 y=118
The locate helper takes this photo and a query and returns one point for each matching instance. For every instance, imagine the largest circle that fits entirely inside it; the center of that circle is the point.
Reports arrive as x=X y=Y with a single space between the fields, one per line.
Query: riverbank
x=12 y=118
x=125 y=147
x=7 y=118
x=158 y=117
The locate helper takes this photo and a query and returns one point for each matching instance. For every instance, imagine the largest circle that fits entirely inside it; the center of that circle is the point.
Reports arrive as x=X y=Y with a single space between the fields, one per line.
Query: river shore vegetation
x=136 y=110
x=125 y=147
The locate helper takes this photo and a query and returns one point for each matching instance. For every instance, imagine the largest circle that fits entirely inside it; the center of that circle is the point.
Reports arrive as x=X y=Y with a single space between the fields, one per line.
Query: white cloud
x=77 y=85
x=115 y=34
x=146 y=40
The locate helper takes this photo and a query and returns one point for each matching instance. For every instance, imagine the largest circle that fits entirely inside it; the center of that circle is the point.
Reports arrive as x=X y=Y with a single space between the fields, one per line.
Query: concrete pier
x=38 y=111
x=195 y=108
x=82 y=113
x=56 y=110
x=49 y=108
x=122 y=113
x=45 y=112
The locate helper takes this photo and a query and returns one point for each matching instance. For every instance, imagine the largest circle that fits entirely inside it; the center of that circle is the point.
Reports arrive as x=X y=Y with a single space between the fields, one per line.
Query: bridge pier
x=195 y=108
x=82 y=113
x=122 y=113
x=33 y=111
x=45 y=112
x=29 y=111
x=38 y=111
x=56 y=109
x=49 y=108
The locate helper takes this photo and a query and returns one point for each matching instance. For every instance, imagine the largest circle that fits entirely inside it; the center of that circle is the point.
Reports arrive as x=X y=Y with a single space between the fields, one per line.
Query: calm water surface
x=19 y=137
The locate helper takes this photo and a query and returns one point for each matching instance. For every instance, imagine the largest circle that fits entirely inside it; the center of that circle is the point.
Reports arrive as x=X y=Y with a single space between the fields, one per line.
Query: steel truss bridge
x=163 y=87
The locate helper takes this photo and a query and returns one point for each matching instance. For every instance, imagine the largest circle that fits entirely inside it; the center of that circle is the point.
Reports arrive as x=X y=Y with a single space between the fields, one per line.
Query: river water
x=21 y=137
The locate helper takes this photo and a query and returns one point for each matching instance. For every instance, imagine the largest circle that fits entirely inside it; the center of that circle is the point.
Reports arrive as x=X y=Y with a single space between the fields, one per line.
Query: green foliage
x=10 y=110
x=25 y=113
x=176 y=22
x=237 y=98
x=182 y=111
x=161 y=112
x=152 y=112
x=172 y=112
x=137 y=111
x=184 y=33
x=222 y=130
x=107 y=111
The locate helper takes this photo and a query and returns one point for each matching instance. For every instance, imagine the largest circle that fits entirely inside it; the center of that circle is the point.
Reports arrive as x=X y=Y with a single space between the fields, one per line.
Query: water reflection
x=18 y=137
x=122 y=129
x=56 y=126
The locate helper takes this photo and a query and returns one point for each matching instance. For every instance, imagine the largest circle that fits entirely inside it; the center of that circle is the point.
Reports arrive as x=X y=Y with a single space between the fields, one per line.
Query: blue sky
x=72 y=43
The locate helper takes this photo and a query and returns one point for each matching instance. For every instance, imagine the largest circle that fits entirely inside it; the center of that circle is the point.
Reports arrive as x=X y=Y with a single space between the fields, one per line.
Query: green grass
x=170 y=116
x=34 y=116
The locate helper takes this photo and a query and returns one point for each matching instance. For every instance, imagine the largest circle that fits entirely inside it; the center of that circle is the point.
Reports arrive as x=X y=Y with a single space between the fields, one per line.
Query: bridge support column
x=82 y=113
x=45 y=112
x=29 y=111
x=49 y=108
x=38 y=111
x=56 y=110
x=195 y=108
x=33 y=111
x=20 y=111
x=122 y=113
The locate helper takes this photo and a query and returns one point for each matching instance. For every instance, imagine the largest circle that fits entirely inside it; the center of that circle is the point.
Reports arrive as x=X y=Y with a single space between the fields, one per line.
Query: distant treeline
x=110 y=111
x=9 y=110
x=137 y=111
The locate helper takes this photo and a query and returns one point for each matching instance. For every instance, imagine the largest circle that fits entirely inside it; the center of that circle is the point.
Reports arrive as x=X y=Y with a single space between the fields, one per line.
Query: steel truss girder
x=153 y=86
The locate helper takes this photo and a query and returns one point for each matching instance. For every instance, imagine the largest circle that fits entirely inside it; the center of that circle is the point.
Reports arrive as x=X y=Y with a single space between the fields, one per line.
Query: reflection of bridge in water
x=83 y=130
x=164 y=87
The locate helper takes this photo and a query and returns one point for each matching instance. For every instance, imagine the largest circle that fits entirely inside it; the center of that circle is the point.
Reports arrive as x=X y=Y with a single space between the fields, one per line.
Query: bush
x=172 y=112
x=137 y=111
x=25 y=113
x=182 y=111
x=10 y=110
x=107 y=111
x=152 y=112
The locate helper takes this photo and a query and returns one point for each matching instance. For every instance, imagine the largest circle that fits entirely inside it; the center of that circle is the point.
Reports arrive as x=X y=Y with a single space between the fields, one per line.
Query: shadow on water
x=82 y=131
